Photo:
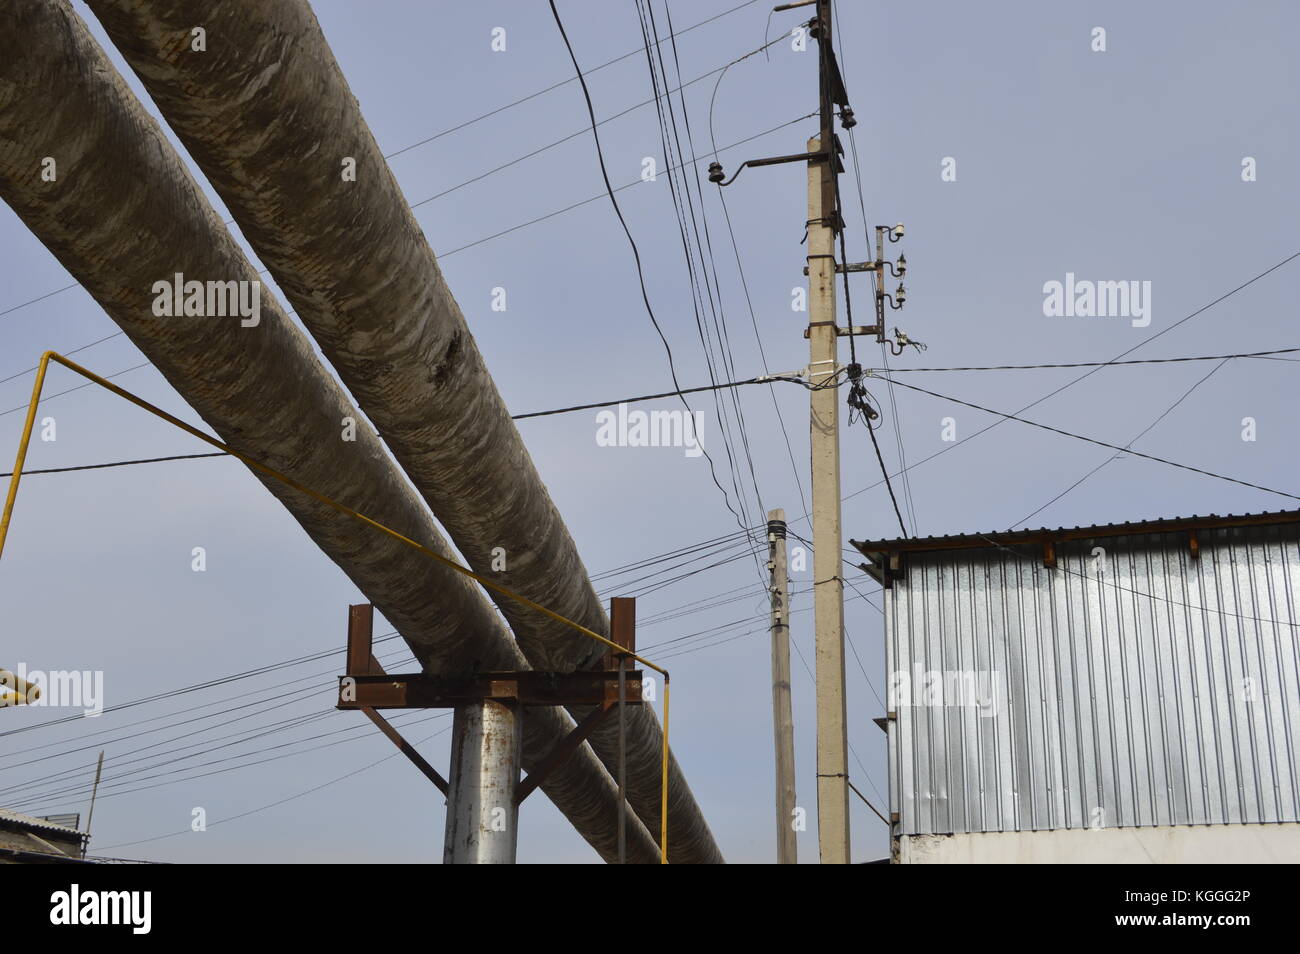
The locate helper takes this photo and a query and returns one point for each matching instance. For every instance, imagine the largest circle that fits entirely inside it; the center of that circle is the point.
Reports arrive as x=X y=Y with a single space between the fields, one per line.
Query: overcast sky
x=1122 y=165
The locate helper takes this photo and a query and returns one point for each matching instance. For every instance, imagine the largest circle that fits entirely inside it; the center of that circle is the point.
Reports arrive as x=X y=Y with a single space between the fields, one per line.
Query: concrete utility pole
x=782 y=716
x=828 y=586
x=824 y=225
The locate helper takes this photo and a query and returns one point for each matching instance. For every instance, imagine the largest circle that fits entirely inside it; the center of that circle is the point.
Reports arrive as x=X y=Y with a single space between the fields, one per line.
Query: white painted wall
x=1214 y=844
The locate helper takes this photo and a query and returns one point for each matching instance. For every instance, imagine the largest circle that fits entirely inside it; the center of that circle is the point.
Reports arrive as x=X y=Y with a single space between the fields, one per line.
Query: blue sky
x=1116 y=165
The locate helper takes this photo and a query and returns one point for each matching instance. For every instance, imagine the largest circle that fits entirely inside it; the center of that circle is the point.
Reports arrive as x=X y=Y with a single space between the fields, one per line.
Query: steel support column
x=482 y=814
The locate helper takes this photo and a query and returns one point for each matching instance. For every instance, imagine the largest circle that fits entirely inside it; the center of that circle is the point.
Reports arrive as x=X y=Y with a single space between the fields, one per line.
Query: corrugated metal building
x=27 y=838
x=1095 y=679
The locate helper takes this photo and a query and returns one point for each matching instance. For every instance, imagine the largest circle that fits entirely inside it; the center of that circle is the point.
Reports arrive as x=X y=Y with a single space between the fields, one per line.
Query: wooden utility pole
x=782 y=715
x=90 y=815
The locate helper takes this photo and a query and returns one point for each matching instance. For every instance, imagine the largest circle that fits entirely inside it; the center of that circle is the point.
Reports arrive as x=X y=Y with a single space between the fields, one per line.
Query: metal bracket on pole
x=841 y=331
x=488 y=704
x=852 y=267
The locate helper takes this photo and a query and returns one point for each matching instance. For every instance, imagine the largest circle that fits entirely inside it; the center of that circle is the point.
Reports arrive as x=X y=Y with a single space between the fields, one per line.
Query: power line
x=1169 y=410
x=555 y=86
x=884 y=471
x=1152 y=596
x=574 y=135
x=48 y=397
x=118 y=463
x=721 y=317
x=636 y=254
x=601 y=195
x=875 y=279
x=1093 y=440
x=697 y=296
x=196 y=687
x=440 y=255
x=744 y=284
x=1106 y=364
x=1071 y=383
x=317 y=788
x=19 y=374
x=864 y=799
x=764 y=379
x=659 y=558
x=469 y=122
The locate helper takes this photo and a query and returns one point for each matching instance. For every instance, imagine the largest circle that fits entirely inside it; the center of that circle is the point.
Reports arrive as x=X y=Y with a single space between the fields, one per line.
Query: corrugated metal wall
x=1164 y=691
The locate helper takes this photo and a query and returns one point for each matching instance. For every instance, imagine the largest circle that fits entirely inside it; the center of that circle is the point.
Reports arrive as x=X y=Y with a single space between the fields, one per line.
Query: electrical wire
x=1093 y=440
x=636 y=254
x=574 y=135
x=765 y=379
x=1107 y=364
x=885 y=474
x=1152 y=596
x=317 y=788
x=1169 y=410
x=469 y=122
x=555 y=86
x=668 y=138
x=744 y=284
x=1071 y=383
x=440 y=255
x=119 y=463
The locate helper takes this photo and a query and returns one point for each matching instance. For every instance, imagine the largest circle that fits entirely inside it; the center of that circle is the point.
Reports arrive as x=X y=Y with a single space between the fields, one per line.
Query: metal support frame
x=484 y=788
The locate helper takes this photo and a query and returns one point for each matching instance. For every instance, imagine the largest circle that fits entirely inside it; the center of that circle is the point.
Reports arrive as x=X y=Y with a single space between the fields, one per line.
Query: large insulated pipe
x=267 y=114
x=121 y=213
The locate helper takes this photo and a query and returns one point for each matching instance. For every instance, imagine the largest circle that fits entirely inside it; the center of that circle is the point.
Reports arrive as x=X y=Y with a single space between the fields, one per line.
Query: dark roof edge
x=965 y=541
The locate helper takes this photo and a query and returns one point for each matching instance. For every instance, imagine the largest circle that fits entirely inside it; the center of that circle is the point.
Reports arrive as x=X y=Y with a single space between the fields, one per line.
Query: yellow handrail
x=49 y=356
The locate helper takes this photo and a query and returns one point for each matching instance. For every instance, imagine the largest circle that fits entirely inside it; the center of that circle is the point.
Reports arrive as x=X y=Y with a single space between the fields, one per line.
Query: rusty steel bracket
x=563 y=749
x=843 y=332
x=366 y=686
x=407 y=749
x=418 y=690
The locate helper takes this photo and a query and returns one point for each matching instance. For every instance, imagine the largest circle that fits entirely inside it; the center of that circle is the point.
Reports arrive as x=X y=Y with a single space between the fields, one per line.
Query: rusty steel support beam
x=406 y=749
x=562 y=751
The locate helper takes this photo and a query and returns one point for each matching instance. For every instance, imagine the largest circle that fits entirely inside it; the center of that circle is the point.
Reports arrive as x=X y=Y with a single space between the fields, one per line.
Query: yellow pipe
x=22 y=450
x=289 y=481
x=663 y=785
